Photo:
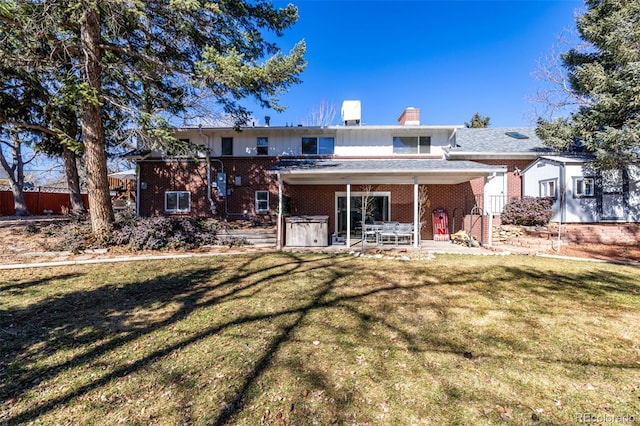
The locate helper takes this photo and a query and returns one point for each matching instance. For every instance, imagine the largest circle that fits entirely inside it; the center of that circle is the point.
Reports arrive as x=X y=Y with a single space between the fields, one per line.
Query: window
x=177 y=201
x=262 y=201
x=227 y=146
x=375 y=206
x=516 y=135
x=583 y=187
x=317 y=146
x=262 y=146
x=548 y=188
x=411 y=144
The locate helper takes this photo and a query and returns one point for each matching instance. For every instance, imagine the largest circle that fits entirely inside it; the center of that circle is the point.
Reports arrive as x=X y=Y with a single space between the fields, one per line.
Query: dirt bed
x=26 y=241
x=602 y=251
x=18 y=245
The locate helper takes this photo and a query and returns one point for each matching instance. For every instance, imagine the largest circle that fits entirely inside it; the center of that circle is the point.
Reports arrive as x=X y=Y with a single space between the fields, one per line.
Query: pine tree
x=148 y=61
x=478 y=121
x=607 y=75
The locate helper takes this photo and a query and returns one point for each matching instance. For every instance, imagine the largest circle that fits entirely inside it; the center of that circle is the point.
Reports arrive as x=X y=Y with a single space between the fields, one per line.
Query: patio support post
x=279 y=224
x=348 y=212
x=416 y=213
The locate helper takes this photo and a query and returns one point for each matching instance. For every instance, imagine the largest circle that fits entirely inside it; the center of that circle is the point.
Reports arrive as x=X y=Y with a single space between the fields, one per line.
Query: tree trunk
x=91 y=124
x=15 y=172
x=18 y=199
x=73 y=182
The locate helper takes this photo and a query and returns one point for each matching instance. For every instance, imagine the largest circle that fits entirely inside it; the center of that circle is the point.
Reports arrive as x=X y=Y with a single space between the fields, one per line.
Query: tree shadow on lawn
x=592 y=283
x=105 y=314
x=18 y=287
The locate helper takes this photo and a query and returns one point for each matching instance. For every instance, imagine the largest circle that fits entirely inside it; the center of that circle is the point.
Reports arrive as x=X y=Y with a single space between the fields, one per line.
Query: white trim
x=317 y=138
x=545 y=182
x=258 y=145
x=178 y=209
x=258 y=210
x=583 y=179
x=359 y=194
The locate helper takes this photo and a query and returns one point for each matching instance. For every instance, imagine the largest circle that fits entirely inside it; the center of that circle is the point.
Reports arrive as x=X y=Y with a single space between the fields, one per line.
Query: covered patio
x=380 y=171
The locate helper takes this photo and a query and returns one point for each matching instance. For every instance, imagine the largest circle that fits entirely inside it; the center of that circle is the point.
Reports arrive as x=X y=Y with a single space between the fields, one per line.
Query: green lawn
x=320 y=339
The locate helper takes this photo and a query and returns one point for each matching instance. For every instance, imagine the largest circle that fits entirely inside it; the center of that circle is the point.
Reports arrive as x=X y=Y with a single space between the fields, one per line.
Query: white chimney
x=351 y=113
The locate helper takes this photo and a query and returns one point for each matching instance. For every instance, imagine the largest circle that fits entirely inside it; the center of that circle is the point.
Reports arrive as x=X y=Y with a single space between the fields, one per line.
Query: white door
x=612 y=195
x=495 y=193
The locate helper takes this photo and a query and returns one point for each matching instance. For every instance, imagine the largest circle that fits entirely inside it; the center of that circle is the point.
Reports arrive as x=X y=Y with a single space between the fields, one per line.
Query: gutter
x=420 y=172
x=492 y=155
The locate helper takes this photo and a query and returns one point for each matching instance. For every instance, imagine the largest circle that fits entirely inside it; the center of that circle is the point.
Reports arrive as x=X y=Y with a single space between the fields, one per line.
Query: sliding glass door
x=370 y=207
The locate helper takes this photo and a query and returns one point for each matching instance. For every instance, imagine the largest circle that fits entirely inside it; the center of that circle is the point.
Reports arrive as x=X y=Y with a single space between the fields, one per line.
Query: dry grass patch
x=320 y=339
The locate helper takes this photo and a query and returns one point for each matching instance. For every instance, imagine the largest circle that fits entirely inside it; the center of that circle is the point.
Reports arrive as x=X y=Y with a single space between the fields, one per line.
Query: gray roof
x=380 y=171
x=378 y=166
x=496 y=141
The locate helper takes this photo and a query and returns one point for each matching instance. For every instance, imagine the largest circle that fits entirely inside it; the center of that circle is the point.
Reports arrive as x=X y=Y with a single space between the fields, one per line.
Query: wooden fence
x=38 y=201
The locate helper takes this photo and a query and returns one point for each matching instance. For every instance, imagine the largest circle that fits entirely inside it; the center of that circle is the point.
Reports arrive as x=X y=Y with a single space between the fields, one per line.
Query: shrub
x=157 y=233
x=74 y=236
x=31 y=229
x=528 y=211
x=138 y=233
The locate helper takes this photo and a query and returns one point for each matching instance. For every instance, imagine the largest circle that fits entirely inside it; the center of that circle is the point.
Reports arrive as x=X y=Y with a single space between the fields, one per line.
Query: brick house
x=331 y=171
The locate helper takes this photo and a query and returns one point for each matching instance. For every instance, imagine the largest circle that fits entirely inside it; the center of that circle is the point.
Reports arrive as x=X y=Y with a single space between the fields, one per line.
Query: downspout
x=212 y=203
x=416 y=214
x=348 y=241
x=563 y=189
x=137 y=189
x=279 y=223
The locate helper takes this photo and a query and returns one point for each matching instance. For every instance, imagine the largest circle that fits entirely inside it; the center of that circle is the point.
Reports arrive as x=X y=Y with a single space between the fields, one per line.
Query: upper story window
x=262 y=146
x=548 y=188
x=411 y=144
x=177 y=201
x=227 y=146
x=318 y=146
x=583 y=187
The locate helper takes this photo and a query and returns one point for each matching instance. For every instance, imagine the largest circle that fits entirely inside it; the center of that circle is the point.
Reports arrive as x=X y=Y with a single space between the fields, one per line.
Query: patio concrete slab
x=427 y=246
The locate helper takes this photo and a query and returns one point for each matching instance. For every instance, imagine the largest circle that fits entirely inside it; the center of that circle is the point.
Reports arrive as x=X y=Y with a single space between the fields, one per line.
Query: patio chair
x=388 y=232
x=371 y=233
x=404 y=232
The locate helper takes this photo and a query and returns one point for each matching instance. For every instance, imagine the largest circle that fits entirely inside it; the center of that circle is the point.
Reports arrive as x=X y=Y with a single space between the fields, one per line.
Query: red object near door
x=440 y=225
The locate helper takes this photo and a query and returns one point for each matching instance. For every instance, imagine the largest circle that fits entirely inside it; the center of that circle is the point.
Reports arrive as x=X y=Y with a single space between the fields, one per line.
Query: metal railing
x=494 y=203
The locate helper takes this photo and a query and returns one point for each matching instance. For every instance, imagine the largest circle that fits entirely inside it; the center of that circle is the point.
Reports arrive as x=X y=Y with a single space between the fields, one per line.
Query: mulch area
x=601 y=251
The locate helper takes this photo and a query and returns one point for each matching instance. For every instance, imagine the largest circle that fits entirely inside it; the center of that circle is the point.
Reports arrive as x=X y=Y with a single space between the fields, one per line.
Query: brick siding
x=160 y=176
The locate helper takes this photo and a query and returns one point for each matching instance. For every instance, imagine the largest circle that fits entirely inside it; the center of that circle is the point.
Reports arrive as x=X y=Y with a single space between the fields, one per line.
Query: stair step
x=261 y=237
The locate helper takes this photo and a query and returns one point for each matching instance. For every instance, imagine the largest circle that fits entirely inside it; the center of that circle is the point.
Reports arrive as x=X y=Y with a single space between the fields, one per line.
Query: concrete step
x=258 y=236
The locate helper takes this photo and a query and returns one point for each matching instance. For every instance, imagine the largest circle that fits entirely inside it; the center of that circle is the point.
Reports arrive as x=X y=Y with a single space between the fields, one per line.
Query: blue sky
x=448 y=58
